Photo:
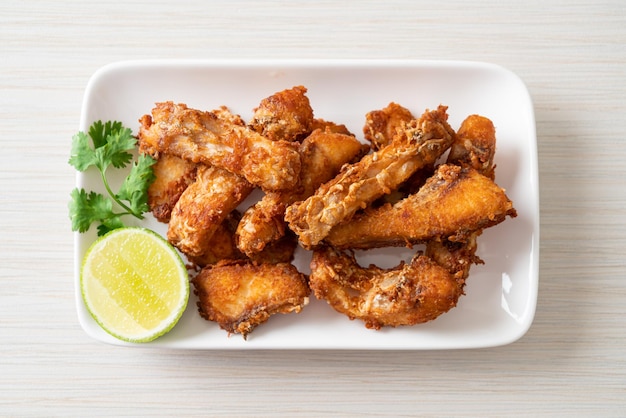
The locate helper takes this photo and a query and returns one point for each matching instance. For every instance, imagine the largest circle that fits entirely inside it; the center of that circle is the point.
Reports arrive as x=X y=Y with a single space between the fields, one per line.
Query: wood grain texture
x=572 y=57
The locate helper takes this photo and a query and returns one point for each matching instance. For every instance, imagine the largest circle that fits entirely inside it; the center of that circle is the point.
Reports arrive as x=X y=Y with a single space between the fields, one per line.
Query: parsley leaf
x=112 y=144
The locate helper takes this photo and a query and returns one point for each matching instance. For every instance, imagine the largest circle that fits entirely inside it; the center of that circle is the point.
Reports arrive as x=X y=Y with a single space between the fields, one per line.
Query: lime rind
x=168 y=322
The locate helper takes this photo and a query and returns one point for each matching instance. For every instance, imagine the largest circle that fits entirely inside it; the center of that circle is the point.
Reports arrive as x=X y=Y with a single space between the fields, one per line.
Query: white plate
x=501 y=295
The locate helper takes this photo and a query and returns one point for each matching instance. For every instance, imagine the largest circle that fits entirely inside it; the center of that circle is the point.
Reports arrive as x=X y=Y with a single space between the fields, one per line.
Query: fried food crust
x=456 y=257
x=220 y=139
x=203 y=206
x=323 y=153
x=330 y=126
x=173 y=176
x=380 y=128
x=475 y=145
x=285 y=115
x=208 y=162
x=408 y=294
x=474 y=148
x=382 y=125
x=241 y=295
x=452 y=204
x=421 y=143
x=281 y=250
x=221 y=244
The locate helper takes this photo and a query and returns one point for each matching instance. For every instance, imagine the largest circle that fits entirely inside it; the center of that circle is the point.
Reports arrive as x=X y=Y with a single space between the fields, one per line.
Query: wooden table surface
x=570 y=54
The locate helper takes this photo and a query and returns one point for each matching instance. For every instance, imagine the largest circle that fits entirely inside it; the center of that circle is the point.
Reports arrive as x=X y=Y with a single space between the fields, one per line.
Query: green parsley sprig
x=111 y=145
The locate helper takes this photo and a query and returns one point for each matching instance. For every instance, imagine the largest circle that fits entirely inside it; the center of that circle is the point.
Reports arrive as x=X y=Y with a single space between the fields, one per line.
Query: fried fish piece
x=452 y=204
x=456 y=257
x=327 y=125
x=240 y=295
x=203 y=206
x=261 y=224
x=382 y=125
x=408 y=294
x=379 y=129
x=323 y=153
x=220 y=139
x=285 y=115
x=281 y=250
x=173 y=176
x=419 y=144
x=221 y=244
x=474 y=147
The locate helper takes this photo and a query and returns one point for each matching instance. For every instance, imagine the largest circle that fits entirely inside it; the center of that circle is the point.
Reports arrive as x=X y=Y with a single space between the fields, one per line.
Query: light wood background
x=571 y=55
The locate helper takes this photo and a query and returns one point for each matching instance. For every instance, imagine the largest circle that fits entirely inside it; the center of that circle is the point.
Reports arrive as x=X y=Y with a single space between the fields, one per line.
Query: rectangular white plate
x=501 y=295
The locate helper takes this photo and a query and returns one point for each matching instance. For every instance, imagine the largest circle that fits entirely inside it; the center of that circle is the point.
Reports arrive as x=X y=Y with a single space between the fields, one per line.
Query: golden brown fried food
x=406 y=295
x=240 y=295
x=474 y=147
x=452 y=204
x=203 y=206
x=284 y=115
x=173 y=176
x=219 y=139
x=323 y=153
x=281 y=250
x=208 y=162
x=379 y=129
x=221 y=244
x=456 y=257
x=382 y=125
x=261 y=224
x=421 y=143
x=330 y=126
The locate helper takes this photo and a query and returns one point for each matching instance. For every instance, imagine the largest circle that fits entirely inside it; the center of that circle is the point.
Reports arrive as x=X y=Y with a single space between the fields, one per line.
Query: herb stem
x=115 y=198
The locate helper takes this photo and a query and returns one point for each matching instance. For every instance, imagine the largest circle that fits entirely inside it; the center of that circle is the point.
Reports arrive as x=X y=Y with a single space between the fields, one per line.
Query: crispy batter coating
x=382 y=125
x=173 y=176
x=323 y=153
x=445 y=261
x=452 y=204
x=324 y=191
x=380 y=128
x=220 y=139
x=221 y=244
x=281 y=250
x=408 y=294
x=203 y=206
x=261 y=223
x=326 y=125
x=421 y=143
x=474 y=147
x=456 y=257
x=285 y=115
x=240 y=295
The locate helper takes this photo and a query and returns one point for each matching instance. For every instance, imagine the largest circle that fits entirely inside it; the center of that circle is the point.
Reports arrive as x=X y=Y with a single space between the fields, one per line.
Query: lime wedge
x=134 y=284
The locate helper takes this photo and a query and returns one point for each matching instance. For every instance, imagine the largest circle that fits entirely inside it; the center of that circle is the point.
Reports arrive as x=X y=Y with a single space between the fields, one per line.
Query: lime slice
x=134 y=284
